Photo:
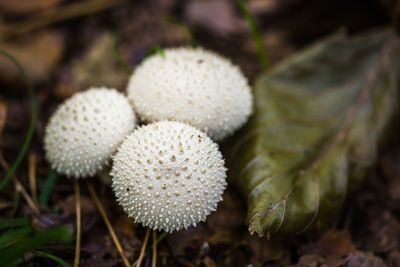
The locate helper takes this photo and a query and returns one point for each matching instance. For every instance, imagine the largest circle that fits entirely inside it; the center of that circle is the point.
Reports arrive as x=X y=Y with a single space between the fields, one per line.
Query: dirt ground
x=68 y=46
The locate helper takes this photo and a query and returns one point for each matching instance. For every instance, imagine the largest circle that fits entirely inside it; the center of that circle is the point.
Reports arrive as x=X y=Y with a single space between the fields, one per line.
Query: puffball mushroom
x=191 y=85
x=168 y=175
x=86 y=130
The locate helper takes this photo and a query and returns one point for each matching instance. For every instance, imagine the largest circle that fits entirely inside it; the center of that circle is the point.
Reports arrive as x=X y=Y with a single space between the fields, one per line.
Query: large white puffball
x=194 y=86
x=168 y=175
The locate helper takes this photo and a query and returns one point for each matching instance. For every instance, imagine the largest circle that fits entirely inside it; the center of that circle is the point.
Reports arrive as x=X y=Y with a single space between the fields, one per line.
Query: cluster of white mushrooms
x=168 y=174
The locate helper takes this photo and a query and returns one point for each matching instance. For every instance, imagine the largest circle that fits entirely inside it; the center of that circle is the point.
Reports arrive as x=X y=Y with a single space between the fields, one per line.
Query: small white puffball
x=86 y=130
x=194 y=86
x=168 y=175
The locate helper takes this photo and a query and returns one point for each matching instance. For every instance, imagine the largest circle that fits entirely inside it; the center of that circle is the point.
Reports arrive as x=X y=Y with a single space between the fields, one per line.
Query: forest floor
x=68 y=46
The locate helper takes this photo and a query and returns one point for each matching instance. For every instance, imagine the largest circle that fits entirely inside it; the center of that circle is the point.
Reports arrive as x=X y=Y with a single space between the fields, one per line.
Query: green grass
x=47 y=188
x=155 y=49
x=262 y=54
x=14 y=222
x=32 y=123
x=117 y=52
x=13 y=236
x=14 y=254
x=52 y=257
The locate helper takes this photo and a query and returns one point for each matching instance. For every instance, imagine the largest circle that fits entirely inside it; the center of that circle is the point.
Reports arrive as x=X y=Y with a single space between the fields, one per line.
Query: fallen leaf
x=332 y=242
x=216 y=16
x=319 y=117
x=364 y=260
x=38 y=55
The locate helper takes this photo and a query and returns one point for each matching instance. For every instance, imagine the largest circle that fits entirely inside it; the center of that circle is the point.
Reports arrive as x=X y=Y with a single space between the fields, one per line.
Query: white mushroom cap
x=195 y=86
x=168 y=175
x=86 y=130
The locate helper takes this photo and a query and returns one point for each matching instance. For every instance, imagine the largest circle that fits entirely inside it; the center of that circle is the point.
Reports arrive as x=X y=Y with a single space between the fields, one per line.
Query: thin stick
x=56 y=14
x=19 y=187
x=143 y=249
x=154 y=260
x=78 y=222
x=159 y=239
x=107 y=222
x=32 y=177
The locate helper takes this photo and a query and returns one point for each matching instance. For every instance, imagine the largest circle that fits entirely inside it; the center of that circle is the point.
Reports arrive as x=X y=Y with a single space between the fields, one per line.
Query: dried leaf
x=319 y=117
x=38 y=54
x=332 y=242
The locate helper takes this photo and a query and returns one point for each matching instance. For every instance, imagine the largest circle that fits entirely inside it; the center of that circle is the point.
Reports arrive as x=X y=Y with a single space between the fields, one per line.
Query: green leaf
x=14 y=222
x=53 y=257
x=10 y=254
x=319 y=117
x=47 y=188
x=14 y=236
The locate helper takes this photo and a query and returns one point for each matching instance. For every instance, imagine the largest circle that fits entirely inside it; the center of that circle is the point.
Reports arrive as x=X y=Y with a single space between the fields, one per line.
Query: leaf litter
x=223 y=240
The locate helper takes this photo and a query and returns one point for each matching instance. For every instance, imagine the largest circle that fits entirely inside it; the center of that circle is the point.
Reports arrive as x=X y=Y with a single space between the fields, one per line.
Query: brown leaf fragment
x=367 y=259
x=216 y=16
x=332 y=242
x=38 y=55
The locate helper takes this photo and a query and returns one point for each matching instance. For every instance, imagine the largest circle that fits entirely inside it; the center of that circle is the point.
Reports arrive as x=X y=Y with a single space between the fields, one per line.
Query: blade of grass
x=47 y=188
x=155 y=49
x=14 y=209
x=117 y=52
x=32 y=123
x=52 y=257
x=262 y=54
x=14 y=236
x=14 y=222
x=10 y=254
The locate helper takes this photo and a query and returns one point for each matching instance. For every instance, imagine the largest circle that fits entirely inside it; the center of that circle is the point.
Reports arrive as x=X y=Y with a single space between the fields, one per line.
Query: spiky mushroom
x=194 y=86
x=168 y=175
x=86 y=130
